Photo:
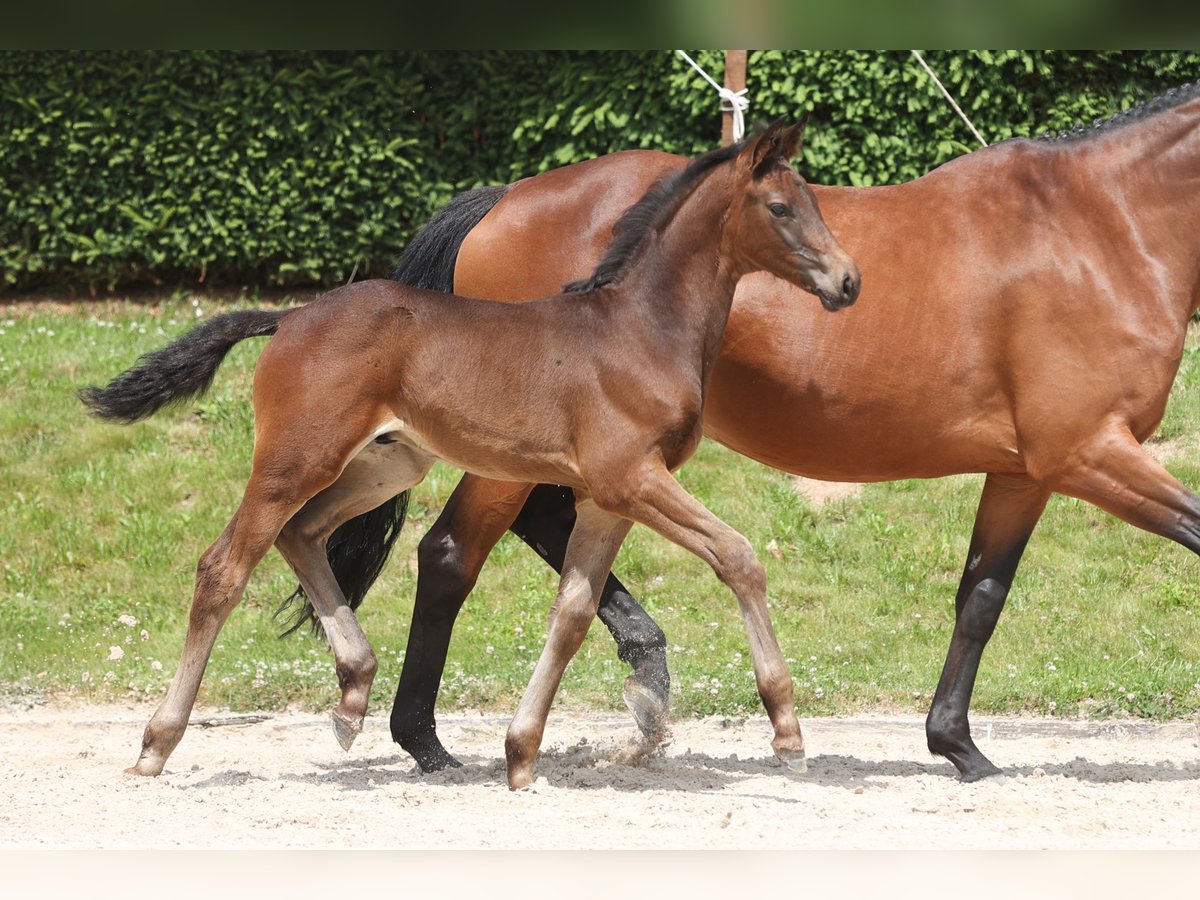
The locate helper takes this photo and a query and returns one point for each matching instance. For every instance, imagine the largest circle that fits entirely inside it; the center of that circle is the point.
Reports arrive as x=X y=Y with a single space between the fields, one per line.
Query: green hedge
x=261 y=169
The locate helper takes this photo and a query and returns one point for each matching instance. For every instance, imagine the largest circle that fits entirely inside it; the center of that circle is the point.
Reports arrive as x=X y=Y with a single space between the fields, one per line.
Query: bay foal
x=601 y=390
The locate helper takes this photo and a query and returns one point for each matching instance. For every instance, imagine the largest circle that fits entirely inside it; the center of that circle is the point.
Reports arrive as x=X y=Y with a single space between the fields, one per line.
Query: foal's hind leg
x=594 y=543
x=368 y=480
x=1008 y=511
x=221 y=578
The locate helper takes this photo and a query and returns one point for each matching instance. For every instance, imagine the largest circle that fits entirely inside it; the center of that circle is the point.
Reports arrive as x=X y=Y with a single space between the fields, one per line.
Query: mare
x=1024 y=316
x=600 y=389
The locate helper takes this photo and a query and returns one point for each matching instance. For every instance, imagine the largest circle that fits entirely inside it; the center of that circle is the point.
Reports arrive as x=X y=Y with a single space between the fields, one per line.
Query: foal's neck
x=686 y=275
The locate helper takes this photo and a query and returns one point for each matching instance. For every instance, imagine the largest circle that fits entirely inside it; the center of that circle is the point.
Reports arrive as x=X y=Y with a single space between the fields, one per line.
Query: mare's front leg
x=663 y=505
x=594 y=542
x=449 y=558
x=545 y=524
x=1008 y=511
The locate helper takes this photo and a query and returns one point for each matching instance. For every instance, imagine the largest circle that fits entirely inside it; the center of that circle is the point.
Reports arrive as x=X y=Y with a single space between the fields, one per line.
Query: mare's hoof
x=649 y=709
x=346 y=730
x=795 y=760
x=980 y=773
x=431 y=756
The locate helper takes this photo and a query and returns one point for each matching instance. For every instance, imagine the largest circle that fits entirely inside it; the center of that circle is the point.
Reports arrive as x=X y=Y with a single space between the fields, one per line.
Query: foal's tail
x=358 y=549
x=181 y=371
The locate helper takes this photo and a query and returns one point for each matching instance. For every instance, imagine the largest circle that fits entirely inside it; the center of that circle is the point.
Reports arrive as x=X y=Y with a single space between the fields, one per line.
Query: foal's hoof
x=794 y=760
x=147 y=765
x=346 y=730
x=649 y=709
x=520 y=778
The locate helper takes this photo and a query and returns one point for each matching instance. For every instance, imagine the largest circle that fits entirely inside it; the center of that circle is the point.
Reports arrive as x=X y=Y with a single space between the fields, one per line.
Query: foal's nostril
x=850 y=289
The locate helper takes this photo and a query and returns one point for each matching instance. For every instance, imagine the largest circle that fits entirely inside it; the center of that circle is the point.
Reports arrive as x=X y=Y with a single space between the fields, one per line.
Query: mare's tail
x=181 y=371
x=358 y=549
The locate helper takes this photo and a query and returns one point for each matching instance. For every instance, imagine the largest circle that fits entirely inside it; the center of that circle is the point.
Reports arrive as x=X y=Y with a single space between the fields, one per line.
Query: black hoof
x=971 y=764
x=987 y=770
x=429 y=753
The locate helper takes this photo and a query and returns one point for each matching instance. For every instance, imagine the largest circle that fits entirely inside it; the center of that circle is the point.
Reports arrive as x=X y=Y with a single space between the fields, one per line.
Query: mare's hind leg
x=221 y=578
x=377 y=473
x=545 y=524
x=1116 y=474
x=663 y=505
x=1008 y=511
x=593 y=545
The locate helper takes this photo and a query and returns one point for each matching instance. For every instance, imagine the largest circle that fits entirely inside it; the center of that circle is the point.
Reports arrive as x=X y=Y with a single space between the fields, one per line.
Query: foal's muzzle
x=845 y=294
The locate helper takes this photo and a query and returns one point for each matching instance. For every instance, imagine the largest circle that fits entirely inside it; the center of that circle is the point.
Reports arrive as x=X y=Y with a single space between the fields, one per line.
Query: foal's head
x=775 y=224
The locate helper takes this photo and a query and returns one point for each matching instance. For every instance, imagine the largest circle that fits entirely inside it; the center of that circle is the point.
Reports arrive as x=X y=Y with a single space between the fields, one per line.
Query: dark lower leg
x=442 y=589
x=449 y=559
x=1008 y=511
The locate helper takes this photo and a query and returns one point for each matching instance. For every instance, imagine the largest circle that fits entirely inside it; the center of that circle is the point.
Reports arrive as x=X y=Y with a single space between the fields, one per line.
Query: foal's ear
x=774 y=144
x=793 y=138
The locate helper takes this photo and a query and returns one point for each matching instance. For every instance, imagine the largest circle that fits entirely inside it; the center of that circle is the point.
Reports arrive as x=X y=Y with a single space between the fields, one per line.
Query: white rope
x=962 y=114
x=731 y=101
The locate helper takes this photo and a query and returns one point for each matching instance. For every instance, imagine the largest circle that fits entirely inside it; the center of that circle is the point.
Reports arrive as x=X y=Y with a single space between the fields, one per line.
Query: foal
x=360 y=392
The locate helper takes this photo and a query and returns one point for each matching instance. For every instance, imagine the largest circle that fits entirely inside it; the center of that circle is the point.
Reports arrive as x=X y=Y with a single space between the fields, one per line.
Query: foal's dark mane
x=649 y=214
x=1144 y=110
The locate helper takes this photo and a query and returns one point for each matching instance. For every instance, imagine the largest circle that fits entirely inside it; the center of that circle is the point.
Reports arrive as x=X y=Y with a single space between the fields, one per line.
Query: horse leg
x=1008 y=511
x=545 y=524
x=663 y=505
x=593 y=545
x=379 y=472
x=1117 y=474
x=449 y=558
x=221 y=578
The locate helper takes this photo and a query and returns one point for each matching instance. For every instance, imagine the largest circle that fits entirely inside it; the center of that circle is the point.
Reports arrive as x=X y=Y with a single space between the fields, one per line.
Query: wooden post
x=735 y=80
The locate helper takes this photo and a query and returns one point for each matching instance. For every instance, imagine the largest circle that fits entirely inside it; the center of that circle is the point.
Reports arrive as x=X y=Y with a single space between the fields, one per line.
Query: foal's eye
x=778 y=209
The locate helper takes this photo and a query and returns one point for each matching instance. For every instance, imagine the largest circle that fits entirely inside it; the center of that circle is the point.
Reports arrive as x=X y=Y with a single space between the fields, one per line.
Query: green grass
x=102 y=525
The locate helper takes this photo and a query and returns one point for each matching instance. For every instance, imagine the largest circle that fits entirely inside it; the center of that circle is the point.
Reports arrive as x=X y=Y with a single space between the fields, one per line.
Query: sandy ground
x=280 y=781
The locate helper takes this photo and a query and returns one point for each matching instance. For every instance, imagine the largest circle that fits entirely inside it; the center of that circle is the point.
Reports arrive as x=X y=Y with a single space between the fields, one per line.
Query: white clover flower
x=115 y=652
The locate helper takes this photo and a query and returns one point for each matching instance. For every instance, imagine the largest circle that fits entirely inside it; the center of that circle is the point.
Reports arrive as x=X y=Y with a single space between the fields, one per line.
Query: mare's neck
x=1151 y=170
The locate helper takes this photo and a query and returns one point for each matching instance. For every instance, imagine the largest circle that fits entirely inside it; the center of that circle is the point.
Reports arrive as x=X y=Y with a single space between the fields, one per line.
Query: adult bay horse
x=600 y=389
x=1024 y=317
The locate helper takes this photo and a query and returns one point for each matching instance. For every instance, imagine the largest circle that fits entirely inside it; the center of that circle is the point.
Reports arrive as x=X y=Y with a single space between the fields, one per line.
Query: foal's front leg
x=594 y=542
x=663 y=505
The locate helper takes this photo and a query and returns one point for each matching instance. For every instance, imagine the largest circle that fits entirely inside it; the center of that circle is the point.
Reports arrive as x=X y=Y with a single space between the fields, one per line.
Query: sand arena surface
x=274 y=781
